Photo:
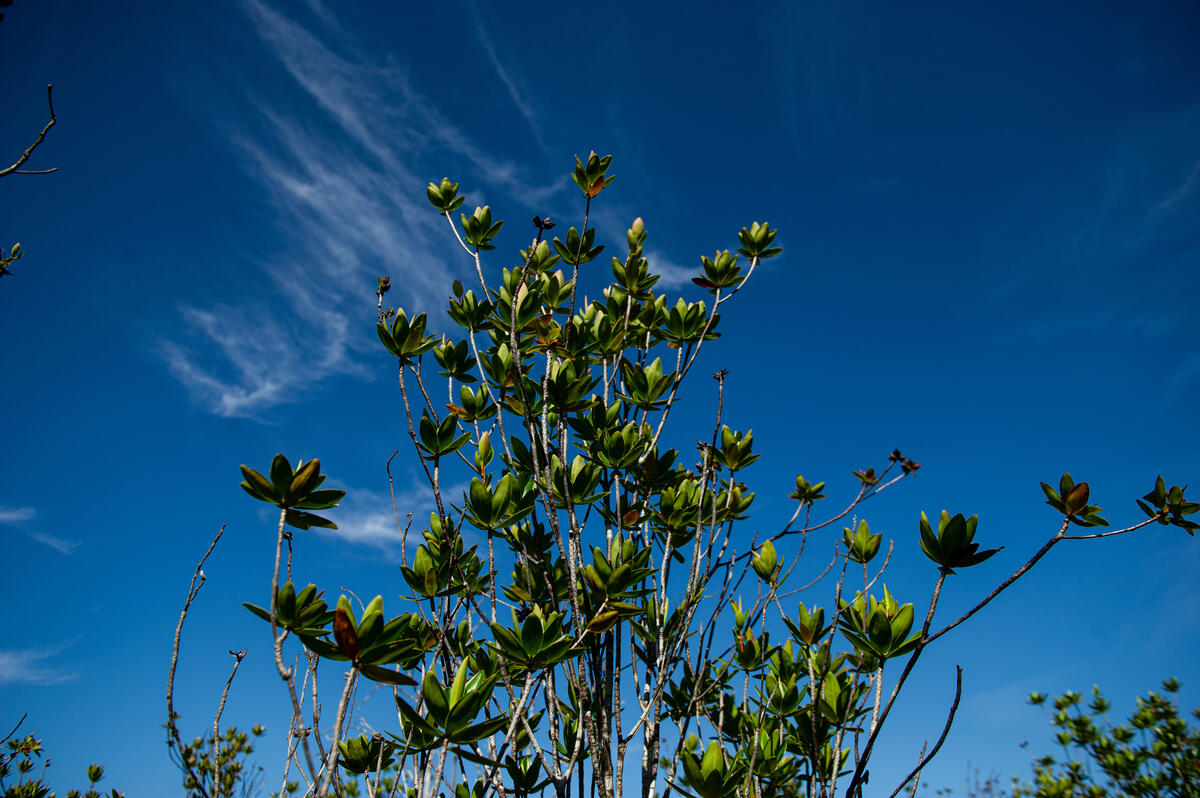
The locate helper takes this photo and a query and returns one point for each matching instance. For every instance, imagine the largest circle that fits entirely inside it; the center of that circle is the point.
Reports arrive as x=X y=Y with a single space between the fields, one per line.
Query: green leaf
x=304 y=480
x=321 y=500
x=765 y=561
x=435 y=698
x=456 y=687
x=302 y=520
x=880 y=632
x=712 y=761
x=259 y=486
x=385 y=336
x=259 y=611
x=387 y=676
x=480 y=730
x=281 y=474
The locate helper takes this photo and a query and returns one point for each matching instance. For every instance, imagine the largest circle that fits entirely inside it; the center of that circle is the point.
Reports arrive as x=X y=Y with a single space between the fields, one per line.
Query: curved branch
x=945 y=731
x=16 y=169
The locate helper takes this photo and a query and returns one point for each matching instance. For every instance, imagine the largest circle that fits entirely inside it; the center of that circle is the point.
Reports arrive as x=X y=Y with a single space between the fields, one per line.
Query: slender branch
x=238 y=656
x=14 y=728
x=172 y=729
x=331 y=760
x=1099 y=535
x=15 y=169
x=286 y=673
x=1062 y=531
x=945 y=731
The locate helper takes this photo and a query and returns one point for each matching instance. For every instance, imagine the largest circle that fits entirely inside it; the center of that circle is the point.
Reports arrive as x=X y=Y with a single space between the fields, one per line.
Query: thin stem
x=285 y=672
x=916 y=772
x=1049 y=544
x=216 y=744
x=172 y=729
x=331 y=760
x=15 y=169
x=1099 y=535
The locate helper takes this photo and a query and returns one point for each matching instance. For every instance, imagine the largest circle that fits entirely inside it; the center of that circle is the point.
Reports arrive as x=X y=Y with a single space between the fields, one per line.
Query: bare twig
x=277 y=637
x=238 y=656
x=945 y=731
x=331 y=759
x=193 y=591
x=16 y=169
x=14 y=728
x=1099 y=535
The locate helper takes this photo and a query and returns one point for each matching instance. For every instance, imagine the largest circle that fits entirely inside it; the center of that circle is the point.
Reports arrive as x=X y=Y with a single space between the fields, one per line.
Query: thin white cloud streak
x=812 y=78
x=515 y=85
x=16 y=515
x=367 y=517
x=27 y=666
x=61 y=545
x=1183 y=191
x=378 y=106
x=348 y=183
x=671 y=274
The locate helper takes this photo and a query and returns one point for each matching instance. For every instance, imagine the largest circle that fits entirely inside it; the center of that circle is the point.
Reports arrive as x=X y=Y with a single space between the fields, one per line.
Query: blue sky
x=991 y=224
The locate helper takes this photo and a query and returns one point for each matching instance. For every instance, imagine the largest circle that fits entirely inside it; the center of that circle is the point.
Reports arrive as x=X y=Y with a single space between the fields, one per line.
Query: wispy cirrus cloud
x=61 y=545
x=1181 y=192
x=342 y=168
x=19 y=516
x=369 y=518
x=30 y=666
x=16 y=515
x=512 y=79
x=671 y=274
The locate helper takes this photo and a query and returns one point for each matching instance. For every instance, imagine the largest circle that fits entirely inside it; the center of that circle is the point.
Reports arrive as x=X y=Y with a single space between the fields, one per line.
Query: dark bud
x=866 y=477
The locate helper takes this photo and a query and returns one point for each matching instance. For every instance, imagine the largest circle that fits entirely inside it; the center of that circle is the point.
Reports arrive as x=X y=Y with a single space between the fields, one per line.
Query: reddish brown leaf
x=345 y=634
x=1077 y=499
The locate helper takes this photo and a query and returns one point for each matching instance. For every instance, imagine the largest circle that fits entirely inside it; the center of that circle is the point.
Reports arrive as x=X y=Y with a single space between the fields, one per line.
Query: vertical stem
x=332 y=758
x=285 y=672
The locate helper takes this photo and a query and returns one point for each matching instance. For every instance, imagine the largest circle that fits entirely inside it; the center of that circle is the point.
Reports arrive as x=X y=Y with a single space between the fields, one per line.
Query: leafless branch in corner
x=937 y=746
x=6 y=737
x=238 y=656
x=16 y=169
x=172 y=729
